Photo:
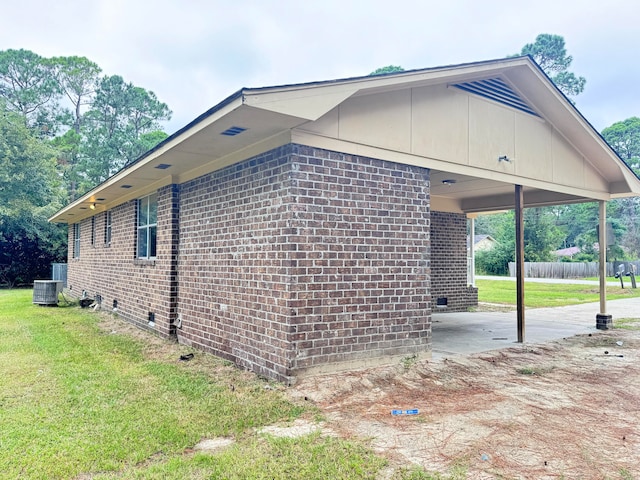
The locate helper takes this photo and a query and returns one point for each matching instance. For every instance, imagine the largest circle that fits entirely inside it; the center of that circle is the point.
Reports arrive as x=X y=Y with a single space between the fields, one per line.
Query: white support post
x=603 y=321
x=472 y=251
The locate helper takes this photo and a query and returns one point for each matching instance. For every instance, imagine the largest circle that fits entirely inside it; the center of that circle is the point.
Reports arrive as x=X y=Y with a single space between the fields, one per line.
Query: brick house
x=313 y=227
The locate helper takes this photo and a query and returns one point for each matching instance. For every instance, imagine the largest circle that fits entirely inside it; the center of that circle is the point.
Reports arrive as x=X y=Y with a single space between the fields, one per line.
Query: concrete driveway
x=472 y=332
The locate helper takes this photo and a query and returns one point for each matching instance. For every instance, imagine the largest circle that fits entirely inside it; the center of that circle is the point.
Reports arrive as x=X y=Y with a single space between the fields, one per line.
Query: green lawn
x=82 y=398
x=546 y=294
x=80 y=401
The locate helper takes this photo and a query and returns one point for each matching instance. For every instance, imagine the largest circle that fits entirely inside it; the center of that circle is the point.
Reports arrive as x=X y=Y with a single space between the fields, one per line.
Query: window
x=76 y=240
x=147 y=226
x=107 y=228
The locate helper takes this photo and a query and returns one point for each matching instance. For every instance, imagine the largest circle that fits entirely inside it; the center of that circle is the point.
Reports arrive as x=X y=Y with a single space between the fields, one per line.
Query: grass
x=627 y=323
x=408 y=361
x=626 y=475
x=268 y=458
x=539 y=371
x=79 y=401
x=457 y=472
x=547 y=294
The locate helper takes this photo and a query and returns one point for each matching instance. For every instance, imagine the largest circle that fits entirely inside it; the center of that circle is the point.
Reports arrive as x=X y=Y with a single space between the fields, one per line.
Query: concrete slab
x=473 y=332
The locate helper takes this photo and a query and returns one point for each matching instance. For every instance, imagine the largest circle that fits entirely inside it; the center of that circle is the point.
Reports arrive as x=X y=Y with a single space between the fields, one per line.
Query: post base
x=604 y=322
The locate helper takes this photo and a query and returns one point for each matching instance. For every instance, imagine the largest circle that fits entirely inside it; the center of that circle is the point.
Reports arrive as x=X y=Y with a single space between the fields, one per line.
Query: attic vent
x=497 y=90
x=162 y=166
x=233 y=131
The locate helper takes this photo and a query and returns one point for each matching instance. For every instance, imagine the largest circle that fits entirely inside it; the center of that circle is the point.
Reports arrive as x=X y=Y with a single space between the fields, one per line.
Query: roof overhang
x=227 y=134
x=256 y=120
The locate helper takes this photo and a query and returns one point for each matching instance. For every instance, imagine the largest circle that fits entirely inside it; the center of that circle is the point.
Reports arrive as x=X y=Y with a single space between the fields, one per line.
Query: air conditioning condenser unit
x=45 y=292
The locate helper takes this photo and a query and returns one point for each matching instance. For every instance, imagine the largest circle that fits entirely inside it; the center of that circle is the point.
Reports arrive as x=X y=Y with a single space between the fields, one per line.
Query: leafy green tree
x=624 y=213
x=68 y=147
x=550 y=53
x=387 y=69
x=624 y=137
x=501 y=227
x=77 y=79
x=98 y=124
x=151 y=139
x=27 y=165
x=578 y=222
x=29 y=194
x=117 y=127
x=63 y=129
x=29 y=87
x=541 y=237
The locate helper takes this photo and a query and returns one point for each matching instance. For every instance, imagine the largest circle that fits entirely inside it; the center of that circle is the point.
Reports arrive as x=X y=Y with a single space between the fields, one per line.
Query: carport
x=528 y=146
x=496 y=136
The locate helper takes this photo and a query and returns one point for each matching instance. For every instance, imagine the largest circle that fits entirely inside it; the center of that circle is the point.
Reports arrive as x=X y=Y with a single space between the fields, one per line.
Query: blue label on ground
x=405 y=412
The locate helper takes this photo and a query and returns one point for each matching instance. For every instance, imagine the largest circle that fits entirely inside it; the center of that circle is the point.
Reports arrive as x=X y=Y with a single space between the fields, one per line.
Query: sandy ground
x=564 y=409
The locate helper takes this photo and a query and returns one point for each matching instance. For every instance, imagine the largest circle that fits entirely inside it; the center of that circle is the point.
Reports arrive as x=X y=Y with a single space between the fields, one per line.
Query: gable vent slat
x=497 y=90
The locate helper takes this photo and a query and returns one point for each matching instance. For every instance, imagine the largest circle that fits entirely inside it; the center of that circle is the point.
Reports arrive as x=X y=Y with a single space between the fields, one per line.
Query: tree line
x=64 y=128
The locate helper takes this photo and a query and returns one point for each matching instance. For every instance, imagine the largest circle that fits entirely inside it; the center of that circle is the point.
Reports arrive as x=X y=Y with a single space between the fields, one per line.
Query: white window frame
x=76 y=240
x=147 y=227
x=107 y=228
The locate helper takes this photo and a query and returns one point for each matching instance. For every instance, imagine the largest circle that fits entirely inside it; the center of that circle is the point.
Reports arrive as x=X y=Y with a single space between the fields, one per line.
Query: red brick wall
x=296 y=260
x=301 y=258
x=449 y=263
x=139 y=287
x=360 y=272
x=234 y=263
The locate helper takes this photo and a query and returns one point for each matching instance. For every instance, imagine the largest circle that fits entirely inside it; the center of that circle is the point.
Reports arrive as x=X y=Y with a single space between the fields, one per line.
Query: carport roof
x=254 y=120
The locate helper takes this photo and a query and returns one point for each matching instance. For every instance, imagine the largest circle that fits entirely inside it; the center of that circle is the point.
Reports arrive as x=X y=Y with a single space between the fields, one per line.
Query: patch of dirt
x=299 y=428
x=494 y=307
x=212 y=445
x=564 y=409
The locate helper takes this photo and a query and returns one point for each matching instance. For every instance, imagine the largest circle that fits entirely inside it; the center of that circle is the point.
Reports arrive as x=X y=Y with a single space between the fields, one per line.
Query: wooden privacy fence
x=569 y=269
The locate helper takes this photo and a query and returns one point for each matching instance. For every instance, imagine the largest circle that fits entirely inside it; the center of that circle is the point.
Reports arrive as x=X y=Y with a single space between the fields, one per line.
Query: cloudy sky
x=194 y=53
